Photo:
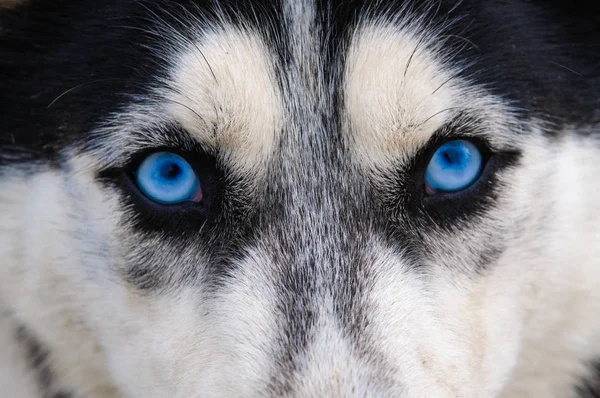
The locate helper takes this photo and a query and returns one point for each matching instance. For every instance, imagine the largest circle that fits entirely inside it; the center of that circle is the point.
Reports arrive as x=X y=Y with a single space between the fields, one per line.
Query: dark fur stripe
x=590 y=387
x=37 y=357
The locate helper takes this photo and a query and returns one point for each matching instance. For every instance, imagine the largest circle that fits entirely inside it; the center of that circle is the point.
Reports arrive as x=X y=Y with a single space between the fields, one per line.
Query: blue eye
x=453 y=167
x=168 y=179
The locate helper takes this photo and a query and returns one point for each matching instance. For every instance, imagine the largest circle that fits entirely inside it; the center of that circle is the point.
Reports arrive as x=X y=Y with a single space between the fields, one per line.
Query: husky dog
x=299 y=198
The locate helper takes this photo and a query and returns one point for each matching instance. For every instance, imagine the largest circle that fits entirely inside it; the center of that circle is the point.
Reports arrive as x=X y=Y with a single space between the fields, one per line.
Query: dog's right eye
x=453 y=167
x=167 y=178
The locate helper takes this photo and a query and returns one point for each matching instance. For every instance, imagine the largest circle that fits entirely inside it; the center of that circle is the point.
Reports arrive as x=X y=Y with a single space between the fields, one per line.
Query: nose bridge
x=311 y=177
x=314 y=221
x=319 y=252
x=317 y=221
x=315 y=191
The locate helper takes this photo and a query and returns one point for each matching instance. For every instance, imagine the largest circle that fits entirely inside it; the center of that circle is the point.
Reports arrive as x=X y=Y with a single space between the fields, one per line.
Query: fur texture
x=317 y=264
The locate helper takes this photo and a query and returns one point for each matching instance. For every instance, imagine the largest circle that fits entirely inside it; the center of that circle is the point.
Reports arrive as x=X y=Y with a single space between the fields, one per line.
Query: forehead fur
x=401 y=87
x=397 y=92
x=225 y=94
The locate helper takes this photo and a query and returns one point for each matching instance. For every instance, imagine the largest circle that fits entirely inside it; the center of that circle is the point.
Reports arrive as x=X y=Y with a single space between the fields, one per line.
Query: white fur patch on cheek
x=52 y=265
x=224 y=92
x=554 y=263
x=191 y=343
x=397 y=92
x=408 y=334
x=439 y=331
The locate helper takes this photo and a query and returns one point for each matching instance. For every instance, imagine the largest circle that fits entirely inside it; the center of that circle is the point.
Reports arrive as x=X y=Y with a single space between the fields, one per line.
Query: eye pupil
x=452 y=156
x=170 y=171
x=454 y=166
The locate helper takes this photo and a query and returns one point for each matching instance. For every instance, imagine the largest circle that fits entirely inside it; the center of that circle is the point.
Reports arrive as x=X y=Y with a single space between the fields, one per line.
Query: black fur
x=590 y=386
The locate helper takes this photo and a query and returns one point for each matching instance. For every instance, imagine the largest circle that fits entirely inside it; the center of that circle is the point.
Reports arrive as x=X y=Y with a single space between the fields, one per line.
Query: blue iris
x=454 y=166
x=168 y=179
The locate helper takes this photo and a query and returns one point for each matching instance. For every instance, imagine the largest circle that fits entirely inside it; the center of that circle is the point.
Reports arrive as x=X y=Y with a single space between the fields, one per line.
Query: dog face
x=249 y=198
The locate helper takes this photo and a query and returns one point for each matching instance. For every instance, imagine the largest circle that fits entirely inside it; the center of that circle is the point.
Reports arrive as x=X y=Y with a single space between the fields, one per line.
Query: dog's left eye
x=453 y=167
x=167 y=178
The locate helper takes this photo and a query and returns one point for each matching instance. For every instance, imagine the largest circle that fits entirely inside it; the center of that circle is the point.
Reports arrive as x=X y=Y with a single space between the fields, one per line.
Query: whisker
x=79 y=86
x=437 y=113
x=188 y=108
x=443 y=84
x=458 y=4
x=567 y=68
x=463 y=39
x=212 y=72
x=412 y=55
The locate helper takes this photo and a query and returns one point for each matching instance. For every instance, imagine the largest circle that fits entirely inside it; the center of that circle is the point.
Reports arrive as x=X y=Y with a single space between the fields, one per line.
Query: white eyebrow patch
x=398 y=92
x=225 y=95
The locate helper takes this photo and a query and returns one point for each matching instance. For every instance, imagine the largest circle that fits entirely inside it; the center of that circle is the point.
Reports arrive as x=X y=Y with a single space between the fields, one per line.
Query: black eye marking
x=409 y=196
x=167 y=188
